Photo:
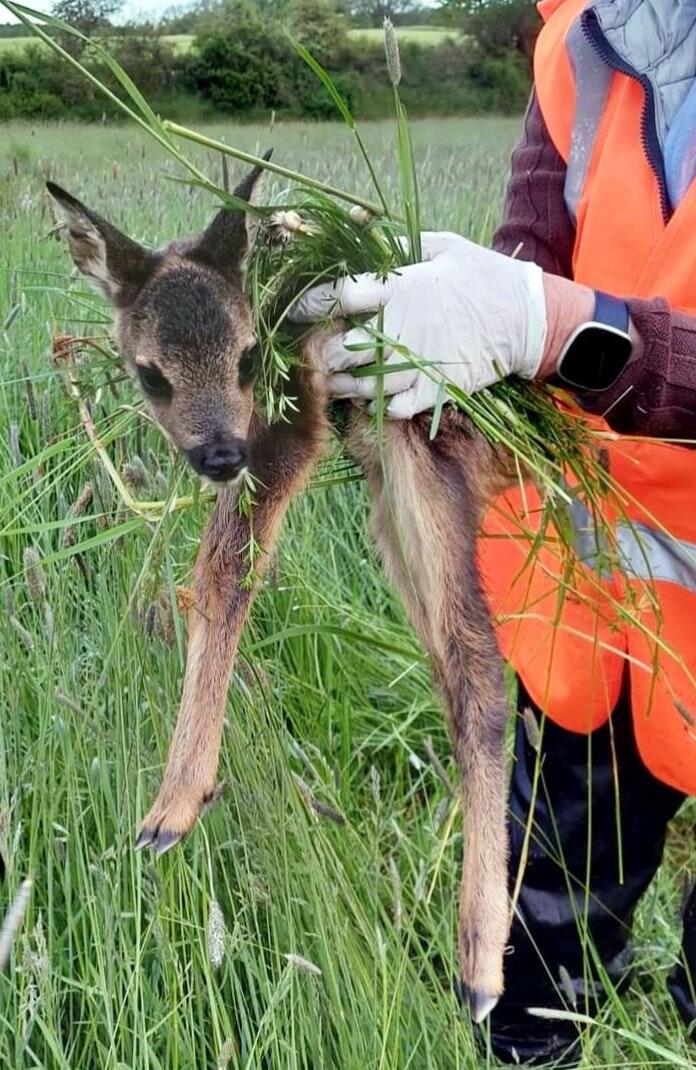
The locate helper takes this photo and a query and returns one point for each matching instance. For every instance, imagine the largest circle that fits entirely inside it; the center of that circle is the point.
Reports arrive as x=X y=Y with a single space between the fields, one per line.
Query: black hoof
x=165 y=841
x=479 y=1002
x=145 y=838
x=157 y=839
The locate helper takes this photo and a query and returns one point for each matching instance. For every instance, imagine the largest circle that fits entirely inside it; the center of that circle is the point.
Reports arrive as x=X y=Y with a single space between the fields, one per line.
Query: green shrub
x=245 y=64
x=37 y=84
x=241 y=70
x=30 y=104
x=503 y=81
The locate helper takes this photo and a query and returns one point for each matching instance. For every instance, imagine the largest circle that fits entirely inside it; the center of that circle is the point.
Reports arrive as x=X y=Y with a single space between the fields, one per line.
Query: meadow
x=309 y=921
x=182 y=42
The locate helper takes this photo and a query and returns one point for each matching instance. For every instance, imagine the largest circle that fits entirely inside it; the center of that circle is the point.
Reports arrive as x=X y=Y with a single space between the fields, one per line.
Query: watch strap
x=611 y=311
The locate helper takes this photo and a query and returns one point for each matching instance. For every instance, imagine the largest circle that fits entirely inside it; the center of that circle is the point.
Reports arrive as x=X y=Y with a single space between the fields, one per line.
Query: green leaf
x=437 y=410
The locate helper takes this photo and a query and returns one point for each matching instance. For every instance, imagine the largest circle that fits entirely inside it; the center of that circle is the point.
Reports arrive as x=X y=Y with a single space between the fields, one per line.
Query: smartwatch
x=597 y=352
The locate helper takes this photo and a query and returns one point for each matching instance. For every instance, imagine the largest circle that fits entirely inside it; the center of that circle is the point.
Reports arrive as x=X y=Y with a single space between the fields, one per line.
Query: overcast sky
x=131 y=8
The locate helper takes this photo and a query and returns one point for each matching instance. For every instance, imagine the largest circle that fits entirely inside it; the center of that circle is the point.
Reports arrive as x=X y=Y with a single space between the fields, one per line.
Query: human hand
x=468 y=315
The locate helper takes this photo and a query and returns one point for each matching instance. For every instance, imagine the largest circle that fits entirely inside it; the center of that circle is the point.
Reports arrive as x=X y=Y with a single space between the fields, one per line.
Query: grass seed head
x=228 y=1052
x=531 y=727
x=24 y=636
x=397 y=908
x=568 y=986
x=151 y=620
x=135 y=474
x=49 y=623
x=29 y=390
x=217 y=935
x=67 y=701
x=391 y=51
x=15 y=448
x=83 y=499
x=301 y=963
x=76 y=510
x=46 y=414
x=375 y=784
x=420 y=887
x=166 y=618
x=329 y=812
x=441 y=814
x=34 y=575
x=13 y=921
x=36 y=958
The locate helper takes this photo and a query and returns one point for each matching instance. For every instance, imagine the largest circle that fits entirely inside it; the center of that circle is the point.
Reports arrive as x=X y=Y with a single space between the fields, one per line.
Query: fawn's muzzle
x=219 y=461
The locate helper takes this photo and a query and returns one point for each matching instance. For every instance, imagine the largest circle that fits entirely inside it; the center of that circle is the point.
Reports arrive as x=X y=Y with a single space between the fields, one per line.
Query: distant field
x=12 y=44
x=422 y=35
x=180 y=41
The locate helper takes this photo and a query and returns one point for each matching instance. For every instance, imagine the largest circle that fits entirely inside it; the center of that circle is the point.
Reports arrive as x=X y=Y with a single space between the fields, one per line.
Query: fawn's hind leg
x=425 y=520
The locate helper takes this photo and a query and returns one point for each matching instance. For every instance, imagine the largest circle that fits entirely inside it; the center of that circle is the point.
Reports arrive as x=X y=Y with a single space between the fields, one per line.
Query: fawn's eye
x=154 y=383
x=248 y=365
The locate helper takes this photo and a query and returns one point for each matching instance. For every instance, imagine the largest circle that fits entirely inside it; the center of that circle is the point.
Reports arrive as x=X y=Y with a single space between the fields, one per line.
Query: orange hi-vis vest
x=572 y=644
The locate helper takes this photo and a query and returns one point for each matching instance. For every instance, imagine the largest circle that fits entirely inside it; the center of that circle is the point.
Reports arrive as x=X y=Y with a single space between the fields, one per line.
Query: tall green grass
x=336 y=839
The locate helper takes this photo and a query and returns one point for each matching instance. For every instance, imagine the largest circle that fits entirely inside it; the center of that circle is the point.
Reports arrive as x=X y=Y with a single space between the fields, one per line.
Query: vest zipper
x=649 y=137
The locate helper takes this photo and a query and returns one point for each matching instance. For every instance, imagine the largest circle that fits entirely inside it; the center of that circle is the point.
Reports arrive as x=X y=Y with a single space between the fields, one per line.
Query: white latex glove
x=472 y=315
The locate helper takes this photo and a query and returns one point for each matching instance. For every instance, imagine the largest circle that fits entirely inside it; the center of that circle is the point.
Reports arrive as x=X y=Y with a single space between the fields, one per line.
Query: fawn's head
x=183 y=325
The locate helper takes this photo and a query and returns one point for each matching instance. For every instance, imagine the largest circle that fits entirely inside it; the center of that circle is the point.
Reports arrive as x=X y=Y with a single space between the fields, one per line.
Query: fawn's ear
x=228 y=240
x=119 y=266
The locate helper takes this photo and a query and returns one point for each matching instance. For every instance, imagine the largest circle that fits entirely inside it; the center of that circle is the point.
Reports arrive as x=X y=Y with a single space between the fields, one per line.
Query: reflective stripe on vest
x=641 y=552
x=592 y=78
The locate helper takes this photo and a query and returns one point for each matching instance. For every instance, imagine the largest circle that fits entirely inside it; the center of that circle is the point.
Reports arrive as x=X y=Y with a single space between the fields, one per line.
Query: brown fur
x=427 y=500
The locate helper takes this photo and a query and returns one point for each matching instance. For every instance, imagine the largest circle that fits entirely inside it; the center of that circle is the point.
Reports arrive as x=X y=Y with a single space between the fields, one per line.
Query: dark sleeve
x=535 y=217
x=656 y=395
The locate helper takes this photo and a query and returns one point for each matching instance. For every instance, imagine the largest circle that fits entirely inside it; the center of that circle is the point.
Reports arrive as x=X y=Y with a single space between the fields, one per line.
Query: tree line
x=241 y=60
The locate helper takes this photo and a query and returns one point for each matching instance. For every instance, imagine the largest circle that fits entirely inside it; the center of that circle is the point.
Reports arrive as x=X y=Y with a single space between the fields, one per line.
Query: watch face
x=595 y=357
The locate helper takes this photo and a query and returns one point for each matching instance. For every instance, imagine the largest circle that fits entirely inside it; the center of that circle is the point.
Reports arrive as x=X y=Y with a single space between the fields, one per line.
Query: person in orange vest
x=601 y=300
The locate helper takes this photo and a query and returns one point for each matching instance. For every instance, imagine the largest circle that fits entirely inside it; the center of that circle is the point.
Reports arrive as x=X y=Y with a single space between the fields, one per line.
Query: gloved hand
x=470 y=315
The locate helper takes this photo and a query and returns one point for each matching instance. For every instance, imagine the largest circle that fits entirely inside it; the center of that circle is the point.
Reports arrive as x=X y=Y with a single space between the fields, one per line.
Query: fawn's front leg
x=281 y=461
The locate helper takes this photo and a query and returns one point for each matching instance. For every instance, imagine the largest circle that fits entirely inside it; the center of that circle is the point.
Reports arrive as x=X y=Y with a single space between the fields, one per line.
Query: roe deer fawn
x=184 y=330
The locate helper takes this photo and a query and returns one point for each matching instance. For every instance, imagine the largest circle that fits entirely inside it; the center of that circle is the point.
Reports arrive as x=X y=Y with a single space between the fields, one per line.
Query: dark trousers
x=600 y=819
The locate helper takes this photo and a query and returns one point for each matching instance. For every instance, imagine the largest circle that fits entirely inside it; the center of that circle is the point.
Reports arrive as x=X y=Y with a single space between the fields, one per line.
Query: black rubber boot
x=682 y=982
x=563 y=911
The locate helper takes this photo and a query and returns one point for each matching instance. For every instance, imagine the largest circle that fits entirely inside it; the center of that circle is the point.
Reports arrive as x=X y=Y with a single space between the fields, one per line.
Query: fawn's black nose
x=219 y=461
